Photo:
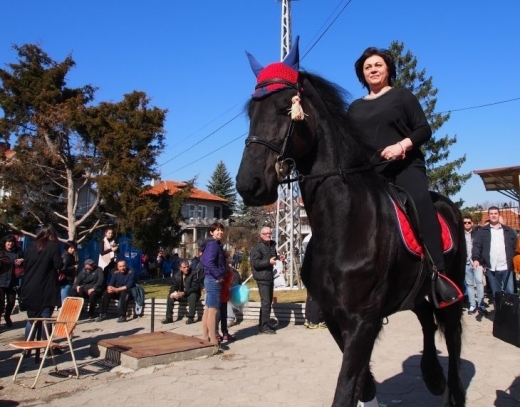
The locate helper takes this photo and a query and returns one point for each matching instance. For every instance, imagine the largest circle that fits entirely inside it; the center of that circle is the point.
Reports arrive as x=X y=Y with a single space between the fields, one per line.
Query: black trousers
x=123 y=297
x=7 y=294
x=223 y=318
x=92 y=298
x=266 y=298
x=415 y=182
x=191 y=300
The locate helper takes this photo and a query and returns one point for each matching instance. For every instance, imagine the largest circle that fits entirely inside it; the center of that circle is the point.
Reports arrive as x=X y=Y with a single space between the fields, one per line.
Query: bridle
x=285 y=165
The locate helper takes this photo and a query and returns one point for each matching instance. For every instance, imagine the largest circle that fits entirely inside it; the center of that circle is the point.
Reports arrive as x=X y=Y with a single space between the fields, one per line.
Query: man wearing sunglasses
x=474 y=276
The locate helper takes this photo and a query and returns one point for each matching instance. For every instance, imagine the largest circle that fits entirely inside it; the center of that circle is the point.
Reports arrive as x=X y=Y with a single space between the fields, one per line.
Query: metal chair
x=63 y=327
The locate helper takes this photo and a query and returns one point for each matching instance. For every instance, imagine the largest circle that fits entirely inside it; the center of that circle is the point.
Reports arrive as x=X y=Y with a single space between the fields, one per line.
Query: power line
x=229 y=121
x=200 y=141
x=204 y=156
x=306 y=53
x=207 y=124
x=327 y=29
x=479 y=106
x=242 y=135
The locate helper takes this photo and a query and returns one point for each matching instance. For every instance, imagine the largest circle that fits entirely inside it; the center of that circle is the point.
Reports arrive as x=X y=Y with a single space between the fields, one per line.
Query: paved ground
x=296 y=367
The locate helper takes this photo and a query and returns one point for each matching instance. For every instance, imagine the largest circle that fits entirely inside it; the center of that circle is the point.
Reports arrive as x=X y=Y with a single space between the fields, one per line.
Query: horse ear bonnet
x=287 y=70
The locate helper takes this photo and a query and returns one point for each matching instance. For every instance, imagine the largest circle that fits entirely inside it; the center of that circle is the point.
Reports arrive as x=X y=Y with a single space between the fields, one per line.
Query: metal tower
x=288 y=227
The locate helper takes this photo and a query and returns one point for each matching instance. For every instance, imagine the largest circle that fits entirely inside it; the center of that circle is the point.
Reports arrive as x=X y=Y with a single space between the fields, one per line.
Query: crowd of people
x=490 y=253
x=47 y=277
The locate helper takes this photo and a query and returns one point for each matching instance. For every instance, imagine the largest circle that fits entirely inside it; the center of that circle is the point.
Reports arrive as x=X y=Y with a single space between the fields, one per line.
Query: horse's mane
x=347 y=137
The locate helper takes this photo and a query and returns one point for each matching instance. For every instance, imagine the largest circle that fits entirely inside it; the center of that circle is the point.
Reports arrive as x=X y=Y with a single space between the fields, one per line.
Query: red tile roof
x=174 y=187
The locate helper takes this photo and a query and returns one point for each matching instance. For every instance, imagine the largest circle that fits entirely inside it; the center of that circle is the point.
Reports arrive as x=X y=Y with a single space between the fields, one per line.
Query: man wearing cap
x=89 y=285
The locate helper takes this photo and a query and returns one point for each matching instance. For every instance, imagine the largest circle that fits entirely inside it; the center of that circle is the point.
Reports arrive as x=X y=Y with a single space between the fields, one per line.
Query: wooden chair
x=63 y=327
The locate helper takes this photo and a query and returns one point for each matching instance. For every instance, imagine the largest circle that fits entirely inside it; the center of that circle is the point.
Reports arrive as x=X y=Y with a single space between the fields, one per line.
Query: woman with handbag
x=40 y=292
x=68 y=273
x=9 y=279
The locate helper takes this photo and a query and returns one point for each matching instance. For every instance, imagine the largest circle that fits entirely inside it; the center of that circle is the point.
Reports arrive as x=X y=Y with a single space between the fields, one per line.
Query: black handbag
x=506 y=324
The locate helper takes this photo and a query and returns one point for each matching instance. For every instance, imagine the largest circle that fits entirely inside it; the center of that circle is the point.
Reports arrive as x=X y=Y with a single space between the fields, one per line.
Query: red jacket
x=224 y=293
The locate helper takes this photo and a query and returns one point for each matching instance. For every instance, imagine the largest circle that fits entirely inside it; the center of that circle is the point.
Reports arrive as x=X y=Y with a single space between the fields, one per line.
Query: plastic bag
x=239 y=295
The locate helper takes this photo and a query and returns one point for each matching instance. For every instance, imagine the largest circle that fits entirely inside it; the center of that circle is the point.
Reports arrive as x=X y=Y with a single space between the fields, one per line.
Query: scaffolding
x=288 y=226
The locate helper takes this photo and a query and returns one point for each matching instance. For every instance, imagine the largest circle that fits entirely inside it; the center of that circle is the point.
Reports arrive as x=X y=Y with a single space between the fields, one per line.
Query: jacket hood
x=204 y=243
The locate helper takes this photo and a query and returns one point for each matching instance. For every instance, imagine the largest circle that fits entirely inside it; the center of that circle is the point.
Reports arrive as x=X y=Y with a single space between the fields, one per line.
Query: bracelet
x=403 y=154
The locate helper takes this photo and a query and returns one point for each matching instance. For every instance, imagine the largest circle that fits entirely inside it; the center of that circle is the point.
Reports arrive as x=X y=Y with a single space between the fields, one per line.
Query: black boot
x=444 y=291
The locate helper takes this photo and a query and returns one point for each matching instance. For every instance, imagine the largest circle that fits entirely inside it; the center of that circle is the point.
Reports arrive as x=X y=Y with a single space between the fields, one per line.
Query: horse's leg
x=368 y=395
x=334 y=329
x=450 y=320
x=430 y=367
x=359 y=341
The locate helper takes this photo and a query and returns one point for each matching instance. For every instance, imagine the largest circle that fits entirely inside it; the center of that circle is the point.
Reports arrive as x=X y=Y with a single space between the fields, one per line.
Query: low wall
x=293 y=313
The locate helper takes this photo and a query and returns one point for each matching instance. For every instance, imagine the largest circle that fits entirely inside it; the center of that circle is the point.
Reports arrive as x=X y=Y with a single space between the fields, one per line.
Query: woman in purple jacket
x=214 y=263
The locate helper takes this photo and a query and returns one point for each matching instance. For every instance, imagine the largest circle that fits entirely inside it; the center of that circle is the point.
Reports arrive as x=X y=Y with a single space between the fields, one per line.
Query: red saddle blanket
x=410 y=238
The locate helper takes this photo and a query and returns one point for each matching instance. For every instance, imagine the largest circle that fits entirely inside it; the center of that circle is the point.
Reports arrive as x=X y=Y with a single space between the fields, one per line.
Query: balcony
x=203 y=222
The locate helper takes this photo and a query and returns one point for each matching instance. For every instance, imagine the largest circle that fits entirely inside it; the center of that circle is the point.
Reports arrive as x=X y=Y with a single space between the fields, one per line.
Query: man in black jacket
x=263 y=258
x=494 y=248
x=185 y=287
x=89 y=284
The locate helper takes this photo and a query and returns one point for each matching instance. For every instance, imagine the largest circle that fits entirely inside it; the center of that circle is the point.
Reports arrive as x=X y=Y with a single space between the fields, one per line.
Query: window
x=202 y=211
x=216 y=212
x=192 y=211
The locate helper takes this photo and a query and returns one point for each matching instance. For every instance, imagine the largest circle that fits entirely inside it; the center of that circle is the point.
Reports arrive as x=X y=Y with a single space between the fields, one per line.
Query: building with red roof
x=199 y=211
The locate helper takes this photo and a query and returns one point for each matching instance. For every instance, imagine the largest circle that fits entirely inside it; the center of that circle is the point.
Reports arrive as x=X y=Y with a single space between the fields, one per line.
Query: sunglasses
x=467 y=223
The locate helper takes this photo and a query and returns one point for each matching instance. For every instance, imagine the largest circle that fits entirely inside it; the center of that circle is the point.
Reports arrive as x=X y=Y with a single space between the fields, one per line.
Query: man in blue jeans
x=473 y=276
x=494 y=248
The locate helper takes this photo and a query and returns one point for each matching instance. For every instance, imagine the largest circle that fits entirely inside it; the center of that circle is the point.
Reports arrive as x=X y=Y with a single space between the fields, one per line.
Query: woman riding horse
x=355 y=265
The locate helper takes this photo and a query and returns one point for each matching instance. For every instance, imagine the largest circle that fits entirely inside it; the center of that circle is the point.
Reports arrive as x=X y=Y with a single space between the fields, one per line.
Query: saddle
x=444 y=292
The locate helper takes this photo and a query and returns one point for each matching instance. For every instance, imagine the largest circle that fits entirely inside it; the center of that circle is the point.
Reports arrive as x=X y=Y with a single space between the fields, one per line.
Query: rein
x=285 y=165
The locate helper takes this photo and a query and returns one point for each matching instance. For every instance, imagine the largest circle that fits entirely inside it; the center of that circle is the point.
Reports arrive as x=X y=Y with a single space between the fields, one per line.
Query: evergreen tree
x=77 y=164
x=222 y=185
x=442 y=174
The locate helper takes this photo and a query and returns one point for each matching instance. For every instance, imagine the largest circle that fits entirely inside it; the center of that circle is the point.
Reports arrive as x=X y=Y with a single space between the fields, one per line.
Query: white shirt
x=469 y=244
x=497 y=251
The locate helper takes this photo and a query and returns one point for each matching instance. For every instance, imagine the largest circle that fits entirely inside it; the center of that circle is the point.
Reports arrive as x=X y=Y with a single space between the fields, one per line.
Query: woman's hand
x=397 y=151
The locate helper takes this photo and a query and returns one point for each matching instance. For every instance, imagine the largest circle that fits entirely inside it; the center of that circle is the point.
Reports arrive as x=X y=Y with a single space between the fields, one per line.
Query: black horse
x=355 y=265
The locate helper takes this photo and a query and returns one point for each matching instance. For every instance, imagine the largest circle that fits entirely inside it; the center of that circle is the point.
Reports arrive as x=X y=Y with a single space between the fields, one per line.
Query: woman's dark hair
x=45 y=235
x=216 y=225
x=71 y=243
x=8 y=238
x=383 y=53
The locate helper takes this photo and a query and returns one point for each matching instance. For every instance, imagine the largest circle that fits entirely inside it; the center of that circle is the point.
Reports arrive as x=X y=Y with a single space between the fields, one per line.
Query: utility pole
x=288 y=228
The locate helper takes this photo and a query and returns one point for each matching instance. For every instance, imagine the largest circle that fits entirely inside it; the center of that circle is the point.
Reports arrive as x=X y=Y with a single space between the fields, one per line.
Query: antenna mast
x=288 y=226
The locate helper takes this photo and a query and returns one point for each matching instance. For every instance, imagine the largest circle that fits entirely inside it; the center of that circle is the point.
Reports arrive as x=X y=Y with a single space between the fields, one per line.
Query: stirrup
x=444 y=291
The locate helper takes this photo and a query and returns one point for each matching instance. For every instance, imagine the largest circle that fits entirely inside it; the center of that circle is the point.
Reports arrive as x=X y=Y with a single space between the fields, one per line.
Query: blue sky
x=188 y=56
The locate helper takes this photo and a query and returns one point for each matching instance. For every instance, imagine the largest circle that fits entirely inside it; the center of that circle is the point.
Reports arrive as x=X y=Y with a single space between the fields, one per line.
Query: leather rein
x=286 y=165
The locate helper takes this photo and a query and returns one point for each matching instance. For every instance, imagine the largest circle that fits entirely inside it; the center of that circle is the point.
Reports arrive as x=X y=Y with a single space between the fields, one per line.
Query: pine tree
x=442 y=174
x=222 y=185
x=69 y=148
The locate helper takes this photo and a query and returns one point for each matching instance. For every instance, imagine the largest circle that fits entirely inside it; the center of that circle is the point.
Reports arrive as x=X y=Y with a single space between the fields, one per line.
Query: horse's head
x=275 y=141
